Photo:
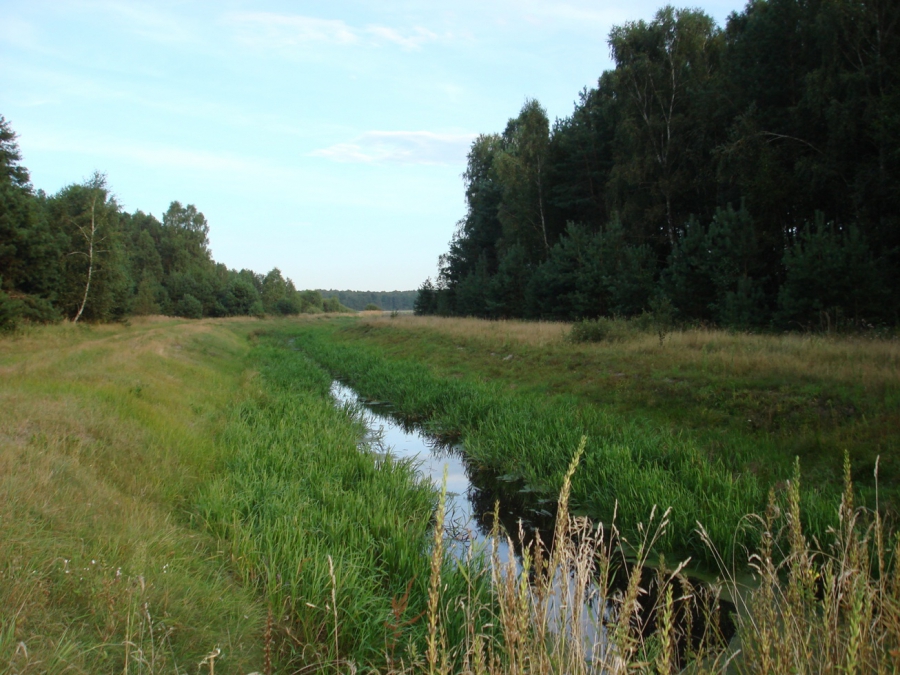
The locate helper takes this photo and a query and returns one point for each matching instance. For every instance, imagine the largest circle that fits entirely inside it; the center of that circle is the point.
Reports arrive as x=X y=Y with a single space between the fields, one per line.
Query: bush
x=189 y=307
x=257 y=310
x=10 y=312
x=597 y=330
x=372 y=307
x=832 y=278
x=288 y=305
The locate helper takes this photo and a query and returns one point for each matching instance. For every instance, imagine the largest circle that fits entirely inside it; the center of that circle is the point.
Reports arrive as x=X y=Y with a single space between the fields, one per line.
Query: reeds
x=810 y=610
x=580 y=604
x=821 y=609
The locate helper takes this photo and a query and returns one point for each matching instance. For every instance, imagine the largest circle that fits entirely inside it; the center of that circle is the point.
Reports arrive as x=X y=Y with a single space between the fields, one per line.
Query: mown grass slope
x=106 y=433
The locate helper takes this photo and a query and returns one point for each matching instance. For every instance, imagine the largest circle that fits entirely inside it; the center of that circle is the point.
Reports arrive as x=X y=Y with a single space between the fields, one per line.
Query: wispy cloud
x=418 y=37
x=273 y=30
x=281 y=30
x=149 y=154
x=400 y=147
x=17 y=32
x=146 y=20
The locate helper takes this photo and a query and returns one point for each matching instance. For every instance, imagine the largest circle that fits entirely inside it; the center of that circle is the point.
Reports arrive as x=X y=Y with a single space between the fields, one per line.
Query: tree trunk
x=90 y=240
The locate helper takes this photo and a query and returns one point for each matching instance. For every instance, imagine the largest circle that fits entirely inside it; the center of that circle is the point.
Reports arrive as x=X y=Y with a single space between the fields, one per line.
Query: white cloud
x=147 y=21
x=415 y=40
x=149 y=154
x=400 y=147
x=272 y=30
x=281 y=30
x=18 y=33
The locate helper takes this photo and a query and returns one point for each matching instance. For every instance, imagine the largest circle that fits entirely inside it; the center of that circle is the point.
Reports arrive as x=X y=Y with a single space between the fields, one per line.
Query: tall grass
x=336 y=538
x=832 y=609
x=528 y=439
x=105 y=434
x=851 y=359
x=753 y=402
x=121 y=447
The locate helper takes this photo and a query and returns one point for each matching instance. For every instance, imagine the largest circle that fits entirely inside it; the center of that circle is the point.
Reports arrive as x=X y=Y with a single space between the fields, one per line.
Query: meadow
x=184 y=496
x=106 y=435
x=706 y=422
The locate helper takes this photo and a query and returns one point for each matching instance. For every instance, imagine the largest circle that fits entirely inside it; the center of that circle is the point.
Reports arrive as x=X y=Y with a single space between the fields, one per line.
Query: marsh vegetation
x=186 y=496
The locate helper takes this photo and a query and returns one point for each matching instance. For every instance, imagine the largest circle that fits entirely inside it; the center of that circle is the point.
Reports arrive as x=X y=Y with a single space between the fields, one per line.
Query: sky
x=327 y=139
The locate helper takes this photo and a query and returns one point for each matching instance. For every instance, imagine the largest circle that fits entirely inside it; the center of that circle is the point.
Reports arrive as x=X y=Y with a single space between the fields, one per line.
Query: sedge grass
x=833 y=608
x=811 y=395
x=520 y=406
x=335 y=538
x=527 y=438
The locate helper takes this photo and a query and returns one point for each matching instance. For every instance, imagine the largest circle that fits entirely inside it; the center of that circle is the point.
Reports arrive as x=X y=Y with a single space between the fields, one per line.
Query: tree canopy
x=747 y=174
x=78 y=255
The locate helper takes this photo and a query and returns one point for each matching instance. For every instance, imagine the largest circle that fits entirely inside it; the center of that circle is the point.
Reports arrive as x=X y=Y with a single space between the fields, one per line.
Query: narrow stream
x=472 y=493
x=469 y=506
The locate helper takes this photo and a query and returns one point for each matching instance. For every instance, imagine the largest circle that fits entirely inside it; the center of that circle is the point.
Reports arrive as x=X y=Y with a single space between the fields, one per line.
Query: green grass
x=522 y=407
x=169 y=490
x=306 y=514
x=105 y=436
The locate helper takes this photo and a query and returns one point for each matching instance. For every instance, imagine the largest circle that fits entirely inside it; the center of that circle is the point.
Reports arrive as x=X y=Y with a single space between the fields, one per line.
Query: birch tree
x=97 y=188
x=661 y=67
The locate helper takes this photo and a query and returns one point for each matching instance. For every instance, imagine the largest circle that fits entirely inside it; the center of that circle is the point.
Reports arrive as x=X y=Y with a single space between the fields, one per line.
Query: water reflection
x=472 y=493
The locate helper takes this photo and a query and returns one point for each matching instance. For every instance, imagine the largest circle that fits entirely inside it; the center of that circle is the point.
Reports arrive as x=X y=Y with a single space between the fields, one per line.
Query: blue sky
x=326 y=139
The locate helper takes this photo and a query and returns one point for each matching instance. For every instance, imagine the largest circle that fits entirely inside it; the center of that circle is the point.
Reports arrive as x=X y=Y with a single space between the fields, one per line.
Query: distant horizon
x=359 y=290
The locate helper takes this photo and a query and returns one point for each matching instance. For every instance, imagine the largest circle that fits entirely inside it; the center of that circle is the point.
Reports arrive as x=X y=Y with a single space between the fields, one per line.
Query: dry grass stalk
x=833 y=610
x=847 y=359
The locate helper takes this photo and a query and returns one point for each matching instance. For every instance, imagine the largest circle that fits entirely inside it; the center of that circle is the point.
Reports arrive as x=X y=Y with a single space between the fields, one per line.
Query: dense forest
x=745 y=176
x=77 y=255
x=395 y=301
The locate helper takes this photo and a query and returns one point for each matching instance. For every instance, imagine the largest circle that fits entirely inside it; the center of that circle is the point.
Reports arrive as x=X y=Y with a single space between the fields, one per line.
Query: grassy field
x=752 y=402
x=172 y=490
x=807 y=395
x=183 y=496
x=707 y=422
x=107 y=433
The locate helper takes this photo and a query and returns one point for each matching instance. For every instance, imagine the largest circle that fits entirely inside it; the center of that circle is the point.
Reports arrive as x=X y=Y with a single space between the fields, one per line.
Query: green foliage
x=95 y=277
x=594 y=330
x=504 y=293
x=426 y=301
x=521 y=168
x=629 y=462
x=189 y=307
x=386 y=300
x=333 y=304
x=788 y=110
x=591 y=274
x=832 y=278
x=10 y=311
x=372 y=307
x=76 y=254
x=257 y=309
x=37 y=310
x=146 y=301
x=306 y=513
x=311 y=301
x=663 y=314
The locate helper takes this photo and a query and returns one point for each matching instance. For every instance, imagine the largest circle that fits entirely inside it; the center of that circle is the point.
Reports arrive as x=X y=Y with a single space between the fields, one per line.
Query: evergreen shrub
x=189 y=307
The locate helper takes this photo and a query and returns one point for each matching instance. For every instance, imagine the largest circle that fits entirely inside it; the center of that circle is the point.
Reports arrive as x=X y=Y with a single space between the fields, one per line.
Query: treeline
x=747 y=176
x=387 y=300
x=77 y=255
